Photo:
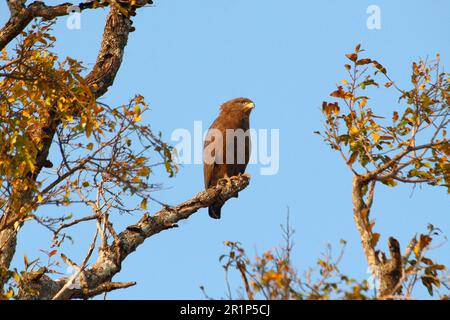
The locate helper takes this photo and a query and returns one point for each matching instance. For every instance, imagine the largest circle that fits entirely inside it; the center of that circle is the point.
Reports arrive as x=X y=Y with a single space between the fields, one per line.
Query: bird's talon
x=226 y=182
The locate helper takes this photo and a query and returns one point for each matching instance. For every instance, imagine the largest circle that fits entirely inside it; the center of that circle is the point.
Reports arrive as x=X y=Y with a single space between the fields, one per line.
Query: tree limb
x=361 y=212
x=97 y=278
x=21 y=16
x=389 y=271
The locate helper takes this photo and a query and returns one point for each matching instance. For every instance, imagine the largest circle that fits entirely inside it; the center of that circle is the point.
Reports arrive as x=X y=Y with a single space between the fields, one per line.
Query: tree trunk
x=388 y=271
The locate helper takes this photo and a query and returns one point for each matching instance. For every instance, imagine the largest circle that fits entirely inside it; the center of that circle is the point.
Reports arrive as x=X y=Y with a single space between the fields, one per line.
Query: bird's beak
x=249 y=106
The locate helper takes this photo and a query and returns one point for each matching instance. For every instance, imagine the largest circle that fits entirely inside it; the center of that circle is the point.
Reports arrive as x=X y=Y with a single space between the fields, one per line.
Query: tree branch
x=361 y=212
x=21 y=16
x=395 y=160
x=97 y=278
x=79 y=271
x=391 y=271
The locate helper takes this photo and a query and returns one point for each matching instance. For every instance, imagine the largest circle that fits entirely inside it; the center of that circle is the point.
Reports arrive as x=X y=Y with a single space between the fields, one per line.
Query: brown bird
x=227 y=146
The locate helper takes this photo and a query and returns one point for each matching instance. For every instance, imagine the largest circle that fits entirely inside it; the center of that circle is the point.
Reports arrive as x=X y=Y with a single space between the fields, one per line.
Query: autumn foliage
x=379 y=144
x=101 y=154
x=408 y=145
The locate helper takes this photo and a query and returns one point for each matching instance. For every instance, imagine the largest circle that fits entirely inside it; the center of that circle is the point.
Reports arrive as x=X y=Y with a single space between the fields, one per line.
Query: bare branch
x=72 y=223
x=361 y=216
x=108 y=287
x=409 y=248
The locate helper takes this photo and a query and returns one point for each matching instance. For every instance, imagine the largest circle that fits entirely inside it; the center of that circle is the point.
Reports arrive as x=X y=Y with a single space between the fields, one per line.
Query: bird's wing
x=208 y=169
x=209 y=160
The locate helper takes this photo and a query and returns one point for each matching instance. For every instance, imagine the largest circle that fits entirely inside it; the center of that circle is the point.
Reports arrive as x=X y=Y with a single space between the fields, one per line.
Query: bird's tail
x=214 y=211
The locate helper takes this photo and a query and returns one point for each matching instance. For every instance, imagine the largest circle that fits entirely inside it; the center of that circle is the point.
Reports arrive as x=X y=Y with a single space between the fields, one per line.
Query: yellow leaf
x=137 y=118
x=145 y=171
x=353 y=158
x=138 y=98
x=9 y=294
x=140 y=160
x=88 y=129
x=90 y=146
x=144 y=204
x=363 y=102
x=16 y=277
x=354 y=130
x=136 y=179
x=376 y=137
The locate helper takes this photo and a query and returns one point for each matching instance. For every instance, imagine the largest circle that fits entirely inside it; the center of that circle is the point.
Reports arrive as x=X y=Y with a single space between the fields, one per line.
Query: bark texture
x=388 y=271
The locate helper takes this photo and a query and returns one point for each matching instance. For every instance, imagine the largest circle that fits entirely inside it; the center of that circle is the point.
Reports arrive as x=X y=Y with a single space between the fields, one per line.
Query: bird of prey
x=227 y=146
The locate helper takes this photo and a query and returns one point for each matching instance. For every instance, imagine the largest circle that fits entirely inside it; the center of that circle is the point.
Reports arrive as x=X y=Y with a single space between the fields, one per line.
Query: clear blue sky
x=187 y=57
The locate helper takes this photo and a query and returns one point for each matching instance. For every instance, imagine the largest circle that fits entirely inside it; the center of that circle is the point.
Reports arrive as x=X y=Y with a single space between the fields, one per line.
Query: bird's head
x=239 y=105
